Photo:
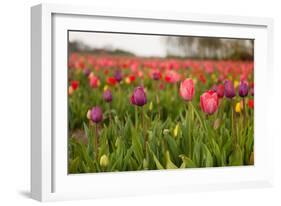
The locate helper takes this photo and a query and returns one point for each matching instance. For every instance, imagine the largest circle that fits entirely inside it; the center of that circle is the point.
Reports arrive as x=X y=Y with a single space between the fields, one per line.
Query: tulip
x=251 y=103
x=94 y=81
x=238 y=107
x=243 y=89
x=156 y=75
x=187 y=89
x=252 y=91
x=139 y=97
x=104 y=161
x=86 y=72
x=96 y=114
x=118 y=76
x=111 y=81
x=107 y=95
x=229 y=90
x=172 y=76
x=176 y=130
x=70 y=90
x=74 y=84
x=220 y=91
x=209 y=102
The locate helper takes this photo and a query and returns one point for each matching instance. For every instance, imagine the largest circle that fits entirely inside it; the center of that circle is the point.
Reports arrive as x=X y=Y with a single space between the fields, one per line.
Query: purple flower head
x=156 y=75
x=118 y=76
x=229 y=90
x=243 y=89
x=86 y=71
x=107 y=95
x=139 y=97
x=96 y=114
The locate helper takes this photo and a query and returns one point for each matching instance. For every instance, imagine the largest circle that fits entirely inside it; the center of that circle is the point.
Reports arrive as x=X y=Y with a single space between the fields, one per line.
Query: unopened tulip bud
x=104 y=161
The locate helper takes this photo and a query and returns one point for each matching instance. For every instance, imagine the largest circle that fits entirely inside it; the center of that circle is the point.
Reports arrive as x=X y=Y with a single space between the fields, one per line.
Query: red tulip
x=111 y=81
x=209 y=102
x=251 y=103
x=187 y=89
x=172 y=76
x=74 y=84
x=220 y=90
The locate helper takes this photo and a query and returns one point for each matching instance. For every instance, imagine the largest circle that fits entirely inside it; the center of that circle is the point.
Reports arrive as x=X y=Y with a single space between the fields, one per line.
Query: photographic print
x=141 y=102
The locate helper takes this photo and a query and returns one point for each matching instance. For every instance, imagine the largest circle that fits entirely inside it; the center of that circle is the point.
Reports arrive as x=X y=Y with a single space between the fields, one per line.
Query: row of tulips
x=186 y=124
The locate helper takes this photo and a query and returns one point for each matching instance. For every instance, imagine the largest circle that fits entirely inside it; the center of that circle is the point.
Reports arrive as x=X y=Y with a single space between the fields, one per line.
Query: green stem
x=244 y=113
x=233 y=121
x=96 y=140
x=144 y=129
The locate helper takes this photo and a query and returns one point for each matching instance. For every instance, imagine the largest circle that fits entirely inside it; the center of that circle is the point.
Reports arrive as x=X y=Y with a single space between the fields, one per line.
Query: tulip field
x=128 y=113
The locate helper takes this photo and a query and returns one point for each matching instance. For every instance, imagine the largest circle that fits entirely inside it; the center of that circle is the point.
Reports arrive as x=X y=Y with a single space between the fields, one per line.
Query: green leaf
x=73 y=165
x=236 y=157
x=169 y=163
x=158 y=164
x=207 y=156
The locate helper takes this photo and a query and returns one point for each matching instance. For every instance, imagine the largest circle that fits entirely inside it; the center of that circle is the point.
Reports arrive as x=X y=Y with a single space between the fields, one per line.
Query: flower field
x=130 y=113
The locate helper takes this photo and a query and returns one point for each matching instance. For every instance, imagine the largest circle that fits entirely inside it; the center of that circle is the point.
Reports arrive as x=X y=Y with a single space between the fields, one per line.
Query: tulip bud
x=107 y=96
x=243 y=89
x=145 y=164
x=139 y=97
x=104 y=161
x=209 y=102
x=150 y=106
x=176 y=130
x=70 y=90
x=96 y=114
x=187 y=89
x=89 y=114
x=229 y=90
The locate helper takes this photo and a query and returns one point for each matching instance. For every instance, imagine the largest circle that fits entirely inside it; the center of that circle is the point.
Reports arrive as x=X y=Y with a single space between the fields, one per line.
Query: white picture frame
x=49 y=178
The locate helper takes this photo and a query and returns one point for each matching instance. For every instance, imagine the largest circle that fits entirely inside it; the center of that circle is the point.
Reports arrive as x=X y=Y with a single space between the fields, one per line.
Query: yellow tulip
x=105 y=87
x=238 y=107
x=214 y=77
x=236 y=84
x=150 y=106
x=127 y=80
x=176 y=130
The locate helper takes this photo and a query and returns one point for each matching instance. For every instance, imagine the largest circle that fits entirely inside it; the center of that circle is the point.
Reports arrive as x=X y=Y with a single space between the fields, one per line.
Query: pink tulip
x=187 y=89
x=209 y=102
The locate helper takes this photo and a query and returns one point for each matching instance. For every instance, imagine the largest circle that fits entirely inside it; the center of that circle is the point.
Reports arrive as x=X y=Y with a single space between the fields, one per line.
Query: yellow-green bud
x=104 y=161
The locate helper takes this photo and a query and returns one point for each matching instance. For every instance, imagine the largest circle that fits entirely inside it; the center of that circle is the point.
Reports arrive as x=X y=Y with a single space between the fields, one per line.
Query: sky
x=140 y=45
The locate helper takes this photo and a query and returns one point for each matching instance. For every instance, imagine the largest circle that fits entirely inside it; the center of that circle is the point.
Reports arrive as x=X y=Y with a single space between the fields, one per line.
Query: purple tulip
x=229 y=90
x=139 y=97
x=96 y=114
x=156 y=75
x=86 y=71
x=107 y=96
x=243 y=89
x=118 y=76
